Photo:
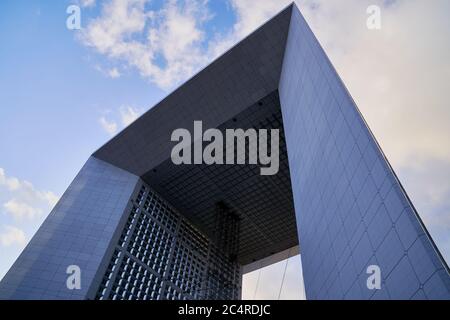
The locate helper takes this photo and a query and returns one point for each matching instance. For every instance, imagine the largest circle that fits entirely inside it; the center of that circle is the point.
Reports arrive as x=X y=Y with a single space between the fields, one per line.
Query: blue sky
x=63 y=93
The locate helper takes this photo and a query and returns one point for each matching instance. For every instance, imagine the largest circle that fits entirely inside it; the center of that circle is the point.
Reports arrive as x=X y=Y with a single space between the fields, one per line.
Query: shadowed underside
x=239 y=90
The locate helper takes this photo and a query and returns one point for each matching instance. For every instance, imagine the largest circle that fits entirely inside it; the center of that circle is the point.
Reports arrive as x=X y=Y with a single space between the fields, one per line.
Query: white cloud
x=427 y=182
x=87 y=3
x=124 y=116
x=50 y=197
x=114 y=73
x=26 y=192
x=20 y=210
x=251 y=15
x=11 y=183
x=108 y=125
x=31 y=194
x=169 y=45
x=129 y=114
x=12 y=236
x=27 y=203
x=127 y=32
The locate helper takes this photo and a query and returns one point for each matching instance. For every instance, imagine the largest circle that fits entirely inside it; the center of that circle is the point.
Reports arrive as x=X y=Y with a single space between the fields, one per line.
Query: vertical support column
x=221 y=275
x=351 y=210
x=77 y=232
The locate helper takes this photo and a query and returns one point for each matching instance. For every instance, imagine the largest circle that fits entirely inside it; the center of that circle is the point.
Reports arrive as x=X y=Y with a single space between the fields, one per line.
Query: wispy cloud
x=21 y=210
x=25 y=191
x=427 y=182
x=168 y=45
x=10 y=236
x=126 y=31
x=114 y=73
x=109 y=126
x=124 y=116
x=129 y=114
x=27 y=202
x=11 y=183
x=87 y=3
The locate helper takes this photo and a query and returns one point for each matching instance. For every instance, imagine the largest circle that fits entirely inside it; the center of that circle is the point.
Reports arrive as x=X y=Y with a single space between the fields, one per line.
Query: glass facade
x=77 y=232
x=351 y=210
x=160 y=255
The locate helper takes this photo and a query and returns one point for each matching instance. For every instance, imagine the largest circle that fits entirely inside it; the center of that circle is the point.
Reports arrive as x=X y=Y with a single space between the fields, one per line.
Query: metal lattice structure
x=160 y=255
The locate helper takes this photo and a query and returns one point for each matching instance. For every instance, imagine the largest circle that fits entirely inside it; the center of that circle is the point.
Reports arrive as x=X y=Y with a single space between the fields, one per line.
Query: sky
x=63 y=93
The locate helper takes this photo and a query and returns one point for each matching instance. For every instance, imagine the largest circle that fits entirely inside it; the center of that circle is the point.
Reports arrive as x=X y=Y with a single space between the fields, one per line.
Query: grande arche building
x=140 y=227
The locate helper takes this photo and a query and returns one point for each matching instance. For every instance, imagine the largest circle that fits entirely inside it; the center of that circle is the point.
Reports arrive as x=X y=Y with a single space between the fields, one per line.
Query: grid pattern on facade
x=186 y=272
x=222 y=277
x=76 y=232
x=160 y=255
x=351 y=210
x=265 y=203
x=132 y=280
